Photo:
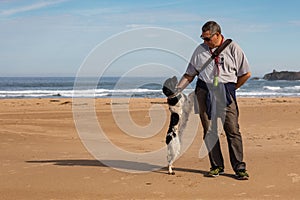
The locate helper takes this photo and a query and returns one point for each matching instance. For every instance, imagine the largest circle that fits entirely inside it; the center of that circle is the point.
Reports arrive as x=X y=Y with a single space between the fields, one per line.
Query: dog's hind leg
x=172 y=141
x=170 y=154
x=173 y=150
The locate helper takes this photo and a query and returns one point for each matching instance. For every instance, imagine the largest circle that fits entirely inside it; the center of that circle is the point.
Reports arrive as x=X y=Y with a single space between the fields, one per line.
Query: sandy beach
x=42 y=156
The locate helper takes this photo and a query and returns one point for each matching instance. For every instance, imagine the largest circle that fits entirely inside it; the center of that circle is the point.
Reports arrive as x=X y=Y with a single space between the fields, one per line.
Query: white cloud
x=31 y=7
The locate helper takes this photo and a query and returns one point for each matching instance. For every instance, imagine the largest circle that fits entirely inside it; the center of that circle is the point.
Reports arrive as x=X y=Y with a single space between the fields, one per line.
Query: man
x=228 y=71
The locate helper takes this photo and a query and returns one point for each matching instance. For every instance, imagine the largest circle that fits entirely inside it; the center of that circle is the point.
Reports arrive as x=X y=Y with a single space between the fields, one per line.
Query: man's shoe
x=215 y=172
x=242 y=174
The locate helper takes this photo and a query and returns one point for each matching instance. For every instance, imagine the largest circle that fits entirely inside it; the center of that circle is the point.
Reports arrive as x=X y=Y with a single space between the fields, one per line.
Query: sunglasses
x=207 y=39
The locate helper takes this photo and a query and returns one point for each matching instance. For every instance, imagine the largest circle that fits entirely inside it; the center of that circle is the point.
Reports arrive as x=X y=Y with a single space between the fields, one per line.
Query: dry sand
x=42 y=156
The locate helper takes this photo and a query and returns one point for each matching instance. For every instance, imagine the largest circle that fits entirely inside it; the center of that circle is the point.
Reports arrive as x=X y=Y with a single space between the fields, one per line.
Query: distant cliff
x=283 y=75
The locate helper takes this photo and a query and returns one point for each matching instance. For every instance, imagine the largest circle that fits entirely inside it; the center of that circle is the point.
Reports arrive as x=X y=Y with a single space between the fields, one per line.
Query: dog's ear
x=169 y=86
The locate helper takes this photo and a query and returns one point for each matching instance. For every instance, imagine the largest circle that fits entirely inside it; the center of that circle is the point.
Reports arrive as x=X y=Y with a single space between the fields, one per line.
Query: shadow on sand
x=119 y=164
x=122 y=164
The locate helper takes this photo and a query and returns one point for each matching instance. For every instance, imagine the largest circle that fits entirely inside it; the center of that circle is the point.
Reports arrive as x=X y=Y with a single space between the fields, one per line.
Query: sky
x=55 y=37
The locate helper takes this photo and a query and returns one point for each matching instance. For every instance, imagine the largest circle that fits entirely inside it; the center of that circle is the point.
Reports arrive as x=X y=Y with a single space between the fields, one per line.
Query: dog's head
x=169 y=86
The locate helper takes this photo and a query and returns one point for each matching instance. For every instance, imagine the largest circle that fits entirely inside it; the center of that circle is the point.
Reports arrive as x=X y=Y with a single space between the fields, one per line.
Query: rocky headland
x=282 y=75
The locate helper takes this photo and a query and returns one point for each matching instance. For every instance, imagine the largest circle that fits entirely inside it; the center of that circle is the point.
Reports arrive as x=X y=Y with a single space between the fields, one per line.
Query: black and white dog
x=180 y=107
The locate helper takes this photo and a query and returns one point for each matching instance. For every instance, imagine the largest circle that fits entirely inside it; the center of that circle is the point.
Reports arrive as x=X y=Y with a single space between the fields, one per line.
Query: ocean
x=129 y=87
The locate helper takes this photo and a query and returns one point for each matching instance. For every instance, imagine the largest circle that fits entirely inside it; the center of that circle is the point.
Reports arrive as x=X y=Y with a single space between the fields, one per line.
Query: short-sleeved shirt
x=232 y=63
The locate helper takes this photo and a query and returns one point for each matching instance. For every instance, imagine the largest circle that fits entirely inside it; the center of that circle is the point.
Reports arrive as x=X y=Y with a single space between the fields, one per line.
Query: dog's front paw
x=174 y=100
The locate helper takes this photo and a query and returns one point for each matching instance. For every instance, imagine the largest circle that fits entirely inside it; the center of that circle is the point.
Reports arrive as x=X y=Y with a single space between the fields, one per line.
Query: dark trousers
x=231 y=128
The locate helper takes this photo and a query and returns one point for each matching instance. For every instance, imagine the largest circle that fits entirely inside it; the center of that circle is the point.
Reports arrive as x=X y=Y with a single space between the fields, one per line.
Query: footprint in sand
x=295 y=177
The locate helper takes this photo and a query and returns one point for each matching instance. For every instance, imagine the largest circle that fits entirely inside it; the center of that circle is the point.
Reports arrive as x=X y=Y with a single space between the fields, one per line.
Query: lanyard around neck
x=217 y=71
